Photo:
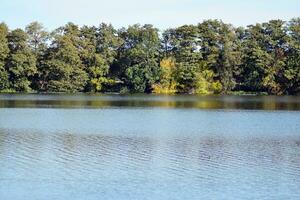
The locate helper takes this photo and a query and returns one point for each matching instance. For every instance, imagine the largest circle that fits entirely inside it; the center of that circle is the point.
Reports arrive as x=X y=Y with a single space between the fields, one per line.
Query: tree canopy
x=211 y=57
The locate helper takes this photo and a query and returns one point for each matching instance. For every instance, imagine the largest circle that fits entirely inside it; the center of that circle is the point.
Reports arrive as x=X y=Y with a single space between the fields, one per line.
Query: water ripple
x=202 y=165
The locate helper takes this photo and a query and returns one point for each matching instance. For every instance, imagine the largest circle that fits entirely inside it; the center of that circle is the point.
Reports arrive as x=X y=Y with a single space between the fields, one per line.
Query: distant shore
x=209 y=58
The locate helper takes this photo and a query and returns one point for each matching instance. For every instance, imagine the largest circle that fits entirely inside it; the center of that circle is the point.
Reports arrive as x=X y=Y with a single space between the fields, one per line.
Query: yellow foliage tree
x=98 y=83
x=167 y=83
x=206 y=85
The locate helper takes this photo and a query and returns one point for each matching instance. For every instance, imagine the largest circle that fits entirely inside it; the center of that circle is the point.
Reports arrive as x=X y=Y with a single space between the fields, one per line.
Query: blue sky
x=162 y=13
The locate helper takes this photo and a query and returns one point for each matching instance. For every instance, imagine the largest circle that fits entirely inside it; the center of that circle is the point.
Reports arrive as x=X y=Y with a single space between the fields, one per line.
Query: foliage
x=4 y=52
x=65 y=70
x=206 y=85
x=211 y=57
x=167 y=84
x=220 y=49
x=138 y=57
x=21 y=62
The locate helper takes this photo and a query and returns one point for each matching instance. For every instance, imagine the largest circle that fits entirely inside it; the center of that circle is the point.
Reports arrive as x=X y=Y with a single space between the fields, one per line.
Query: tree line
x=211 y=57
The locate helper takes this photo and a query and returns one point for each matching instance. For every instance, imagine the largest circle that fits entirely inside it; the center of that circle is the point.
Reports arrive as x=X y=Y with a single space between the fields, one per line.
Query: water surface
x=175 y=101
x=149 y=147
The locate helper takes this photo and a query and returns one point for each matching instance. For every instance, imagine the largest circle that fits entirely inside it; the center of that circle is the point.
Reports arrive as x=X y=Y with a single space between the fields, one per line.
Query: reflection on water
x=142 y=149
x=177 y=101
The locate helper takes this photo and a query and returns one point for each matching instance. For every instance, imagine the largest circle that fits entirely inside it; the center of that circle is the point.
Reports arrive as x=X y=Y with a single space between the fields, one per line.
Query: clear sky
x=162 y=13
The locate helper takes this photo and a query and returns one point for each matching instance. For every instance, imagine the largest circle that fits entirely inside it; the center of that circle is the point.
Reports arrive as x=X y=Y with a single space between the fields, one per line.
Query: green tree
x=63 y=69
x=208 y=58
x=182 y=44
x=4 y=51
x=21 y=63
x=264 y=56
x=94 y=63
x=38 y=38
x=108 y=42
x=221 y=51
x=98 y=52
x=138 y=61
x=290 y=78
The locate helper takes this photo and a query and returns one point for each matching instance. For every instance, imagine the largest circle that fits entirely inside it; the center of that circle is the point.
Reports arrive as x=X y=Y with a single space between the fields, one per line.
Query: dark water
x=104 y=101
x=71 y=147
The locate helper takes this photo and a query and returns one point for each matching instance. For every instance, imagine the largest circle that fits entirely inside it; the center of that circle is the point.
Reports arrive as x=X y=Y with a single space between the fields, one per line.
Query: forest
x=211 y=57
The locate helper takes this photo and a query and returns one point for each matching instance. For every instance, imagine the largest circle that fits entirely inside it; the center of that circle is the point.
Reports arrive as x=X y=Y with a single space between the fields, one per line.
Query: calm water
x=71 y=147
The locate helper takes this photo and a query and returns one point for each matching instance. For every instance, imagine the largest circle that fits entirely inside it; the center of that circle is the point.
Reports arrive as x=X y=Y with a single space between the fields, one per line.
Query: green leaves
x=21 y=62
x=66 y=71
x=208 y=58
x=142 y=76
x=37 y=37
x=138 y=60
x=4 y=52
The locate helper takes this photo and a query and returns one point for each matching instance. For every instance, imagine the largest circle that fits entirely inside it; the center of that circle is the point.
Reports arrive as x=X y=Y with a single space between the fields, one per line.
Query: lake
x=73 y=147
